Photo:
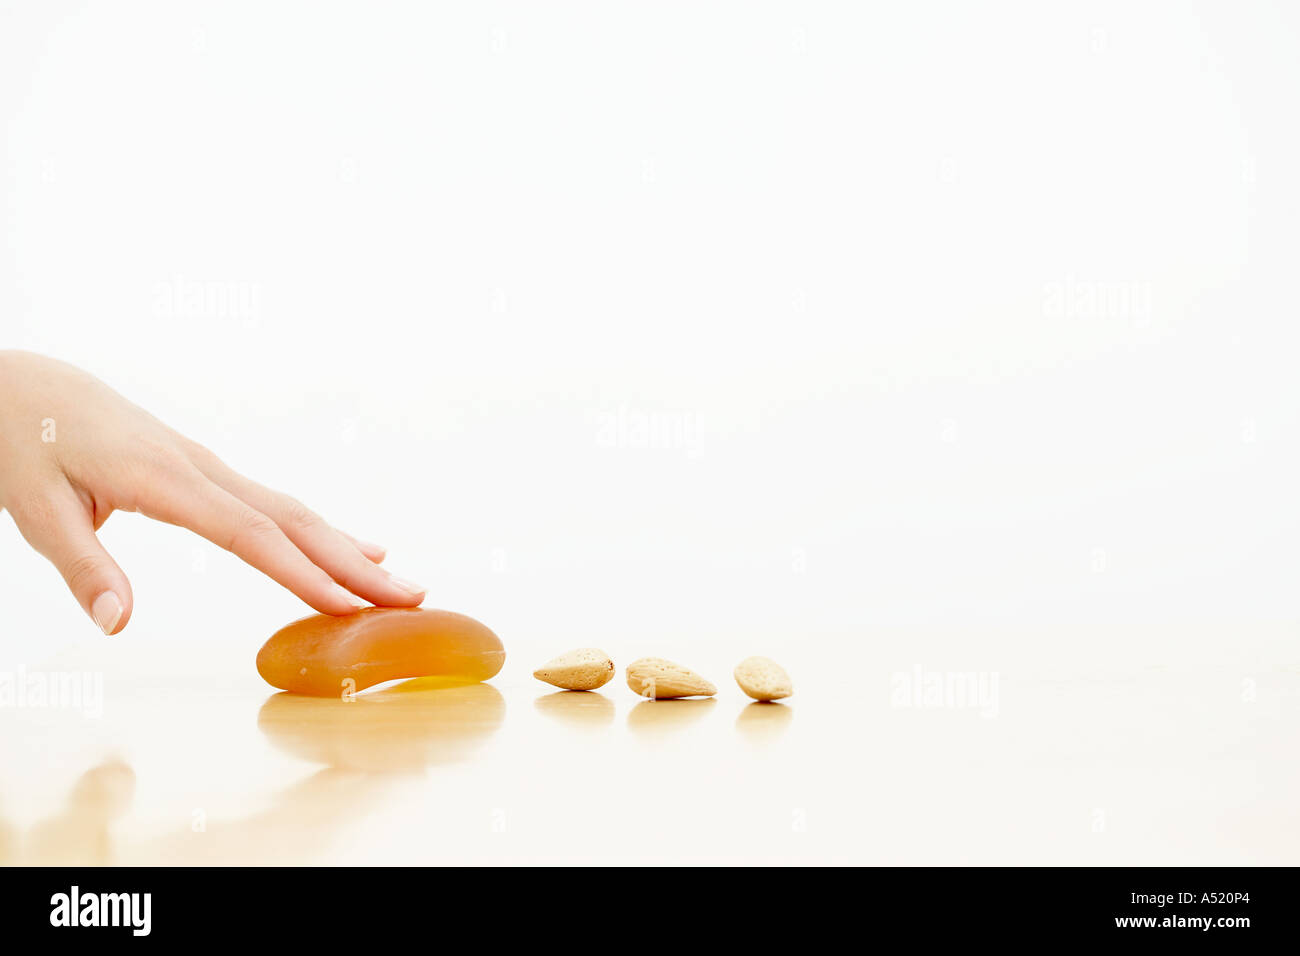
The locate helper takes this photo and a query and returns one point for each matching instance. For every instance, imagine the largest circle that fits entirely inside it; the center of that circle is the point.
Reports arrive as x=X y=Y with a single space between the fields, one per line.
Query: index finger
x=190 y=500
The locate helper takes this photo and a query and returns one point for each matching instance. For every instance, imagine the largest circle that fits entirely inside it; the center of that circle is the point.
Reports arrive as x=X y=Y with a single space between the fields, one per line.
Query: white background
x=943 y=335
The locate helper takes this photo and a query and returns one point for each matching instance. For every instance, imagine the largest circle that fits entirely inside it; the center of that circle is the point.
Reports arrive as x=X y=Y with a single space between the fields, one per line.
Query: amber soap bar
x=326 y=656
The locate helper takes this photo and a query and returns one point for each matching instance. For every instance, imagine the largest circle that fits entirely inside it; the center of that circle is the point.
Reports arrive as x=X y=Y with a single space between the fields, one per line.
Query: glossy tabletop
x=183 y=756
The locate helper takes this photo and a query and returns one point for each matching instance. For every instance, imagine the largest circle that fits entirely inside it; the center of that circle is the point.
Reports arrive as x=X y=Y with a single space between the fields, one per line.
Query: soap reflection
x=407 y=727
x=652 y=718
x=578 y=708
x=367 y=744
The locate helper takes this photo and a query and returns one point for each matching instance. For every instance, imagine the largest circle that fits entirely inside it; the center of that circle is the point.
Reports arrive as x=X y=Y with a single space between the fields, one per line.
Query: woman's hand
x=73 y=451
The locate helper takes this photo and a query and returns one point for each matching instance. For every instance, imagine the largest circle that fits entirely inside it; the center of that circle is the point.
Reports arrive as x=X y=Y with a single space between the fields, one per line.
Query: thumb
x=59 y=528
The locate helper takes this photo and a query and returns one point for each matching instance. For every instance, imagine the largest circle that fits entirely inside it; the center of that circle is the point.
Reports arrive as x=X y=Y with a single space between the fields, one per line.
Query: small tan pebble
x=584 y=669
x=661 y=679
x=763 y=679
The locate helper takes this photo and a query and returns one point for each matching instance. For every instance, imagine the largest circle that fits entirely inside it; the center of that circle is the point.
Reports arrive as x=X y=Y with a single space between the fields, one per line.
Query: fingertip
x=408 y=587
x=403 y=593
x=344 y=602
x=109 y=612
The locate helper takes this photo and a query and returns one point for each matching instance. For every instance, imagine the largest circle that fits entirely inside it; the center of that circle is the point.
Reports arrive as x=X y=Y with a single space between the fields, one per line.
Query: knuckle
x=249 y=529
x=82 y=571
x=298 y=516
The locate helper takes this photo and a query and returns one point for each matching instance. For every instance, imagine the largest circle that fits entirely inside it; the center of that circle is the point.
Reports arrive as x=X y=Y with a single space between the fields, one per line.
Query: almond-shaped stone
x=763 y=679
x=584 y=669
x=663 y=680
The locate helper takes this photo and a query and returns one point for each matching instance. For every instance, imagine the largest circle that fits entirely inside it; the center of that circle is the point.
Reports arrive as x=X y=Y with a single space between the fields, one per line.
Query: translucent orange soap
x=326 y=656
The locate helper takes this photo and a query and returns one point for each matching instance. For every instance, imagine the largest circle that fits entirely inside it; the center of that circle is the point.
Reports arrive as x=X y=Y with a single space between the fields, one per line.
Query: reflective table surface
x=183 y=756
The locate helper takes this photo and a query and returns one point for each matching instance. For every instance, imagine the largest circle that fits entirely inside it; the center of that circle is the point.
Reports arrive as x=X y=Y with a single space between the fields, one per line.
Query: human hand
x=73 y=451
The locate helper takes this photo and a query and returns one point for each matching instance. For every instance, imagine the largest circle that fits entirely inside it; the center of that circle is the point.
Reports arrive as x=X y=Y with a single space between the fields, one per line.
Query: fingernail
x=106 y=609
x=344 y=594
x=409 y=586
x=371 y=546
